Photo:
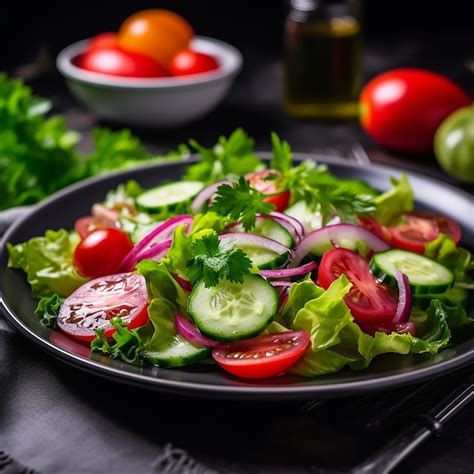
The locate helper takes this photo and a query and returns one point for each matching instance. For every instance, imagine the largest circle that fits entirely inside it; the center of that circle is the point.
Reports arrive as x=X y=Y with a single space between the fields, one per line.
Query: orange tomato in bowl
x=157 y=33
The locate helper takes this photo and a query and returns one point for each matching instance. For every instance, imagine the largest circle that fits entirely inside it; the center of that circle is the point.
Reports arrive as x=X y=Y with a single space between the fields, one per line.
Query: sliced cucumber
x=168 y=195
x=425 y=275
x=233 y=311
x=179 y=353
x=269 y=228
x=311 y=220
x=265 y=259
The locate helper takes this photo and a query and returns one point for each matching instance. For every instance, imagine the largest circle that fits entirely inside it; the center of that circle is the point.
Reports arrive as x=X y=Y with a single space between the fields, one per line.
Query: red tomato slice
x=93 y=304
x=101 y=252
x=372 y=224
x=262 y=182
x=262 y=356
x=369 y=301
x=413 y=230
x=85 y=225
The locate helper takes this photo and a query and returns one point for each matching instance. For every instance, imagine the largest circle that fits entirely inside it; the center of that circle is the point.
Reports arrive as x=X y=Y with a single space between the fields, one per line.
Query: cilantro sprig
x=214 y=260
x=240 y=202
x=282 y=156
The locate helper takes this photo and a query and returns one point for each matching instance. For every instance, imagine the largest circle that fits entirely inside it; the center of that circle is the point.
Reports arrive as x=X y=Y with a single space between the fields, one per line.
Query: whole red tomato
x=103 y=40
x=191 y=62
x=401 y=109
x=118 y=62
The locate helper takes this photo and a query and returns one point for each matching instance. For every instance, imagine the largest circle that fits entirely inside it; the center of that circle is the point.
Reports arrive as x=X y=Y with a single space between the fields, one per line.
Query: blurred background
x=438 y=37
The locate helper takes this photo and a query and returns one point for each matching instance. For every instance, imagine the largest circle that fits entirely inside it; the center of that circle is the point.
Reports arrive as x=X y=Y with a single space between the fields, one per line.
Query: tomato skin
x=85 y=225
x=368 y=300
x=101 y=252
x=413 y=230
x=108 y=39
x=188 y=62
x=373 y=225
x=97 y=301
x=257 y=181
x=119 y=62
x=286 y=348
x=402 y=108
x=157 y=33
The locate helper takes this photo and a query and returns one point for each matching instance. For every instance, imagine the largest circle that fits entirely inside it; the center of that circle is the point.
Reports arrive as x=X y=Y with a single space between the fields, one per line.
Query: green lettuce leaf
x=48 y=309
x=337 y=341
x=47 y=261
x=394 y=201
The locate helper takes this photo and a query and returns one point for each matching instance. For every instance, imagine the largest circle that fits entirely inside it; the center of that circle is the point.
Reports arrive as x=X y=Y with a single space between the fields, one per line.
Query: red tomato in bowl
x=93 y=304
x=261 y=181
x=101 y=252
x=401 y=109
x=188 y=62
x=369 y=301
x=413 y=230
x=262 y=356
x=118 y=62
x=103 y=40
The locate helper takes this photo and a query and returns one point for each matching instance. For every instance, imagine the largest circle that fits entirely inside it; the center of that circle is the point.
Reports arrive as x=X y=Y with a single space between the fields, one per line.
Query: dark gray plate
x=386 y=371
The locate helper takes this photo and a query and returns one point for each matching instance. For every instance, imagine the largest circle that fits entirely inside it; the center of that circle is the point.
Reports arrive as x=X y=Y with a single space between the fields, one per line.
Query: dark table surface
x=54 y=418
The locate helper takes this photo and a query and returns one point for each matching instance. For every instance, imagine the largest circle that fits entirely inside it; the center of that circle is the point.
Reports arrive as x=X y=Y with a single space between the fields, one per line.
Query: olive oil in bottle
x=322 y=67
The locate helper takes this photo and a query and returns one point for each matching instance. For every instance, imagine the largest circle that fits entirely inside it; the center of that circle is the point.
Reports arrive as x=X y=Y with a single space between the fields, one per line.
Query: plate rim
x=187 y=388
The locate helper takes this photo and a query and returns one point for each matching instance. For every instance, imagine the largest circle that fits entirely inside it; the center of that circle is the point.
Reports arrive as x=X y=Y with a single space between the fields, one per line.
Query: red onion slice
x=157 y=252
x=283 y=298
x=191 y=333
x=206 y=194
x=290 y=272
x=298 y=225
x=338 y=235
x=294 y=231
x=184 y=284
x=163 y=231
x=255 y=240
x=404 y=298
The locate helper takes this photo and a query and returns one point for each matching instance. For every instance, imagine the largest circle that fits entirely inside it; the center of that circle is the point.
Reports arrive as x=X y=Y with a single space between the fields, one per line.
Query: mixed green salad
x=261 y=267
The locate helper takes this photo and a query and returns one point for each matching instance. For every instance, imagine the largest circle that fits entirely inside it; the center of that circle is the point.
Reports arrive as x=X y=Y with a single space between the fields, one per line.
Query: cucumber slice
x=425 y=275
x=180 y=353
x=168 y=195
x=269 y=228
x=311 y=220
x=265 y=259
x=233 y=311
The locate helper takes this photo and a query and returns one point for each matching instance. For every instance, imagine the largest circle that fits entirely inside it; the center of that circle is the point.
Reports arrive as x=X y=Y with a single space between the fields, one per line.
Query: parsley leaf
x=48 y=309
x=324 y=192
x=282 y=157
x=214 y=260
x=240 y=202
x=229 y=157
x=128 y=344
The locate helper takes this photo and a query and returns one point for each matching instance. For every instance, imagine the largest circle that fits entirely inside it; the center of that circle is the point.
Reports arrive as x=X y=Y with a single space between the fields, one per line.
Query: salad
x=261 y=267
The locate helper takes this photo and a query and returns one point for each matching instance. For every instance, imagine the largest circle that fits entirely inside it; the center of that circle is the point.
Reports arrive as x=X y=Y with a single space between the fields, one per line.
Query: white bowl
x=162 y=102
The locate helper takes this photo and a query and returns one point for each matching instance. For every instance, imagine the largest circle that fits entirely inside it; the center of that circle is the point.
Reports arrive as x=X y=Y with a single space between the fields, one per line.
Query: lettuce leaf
x=47 y=261
x=48 y=309
x=394 y=201
x=337 y=341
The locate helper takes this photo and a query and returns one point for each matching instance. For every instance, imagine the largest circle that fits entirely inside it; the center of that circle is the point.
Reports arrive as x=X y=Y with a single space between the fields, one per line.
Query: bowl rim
x=229 y=57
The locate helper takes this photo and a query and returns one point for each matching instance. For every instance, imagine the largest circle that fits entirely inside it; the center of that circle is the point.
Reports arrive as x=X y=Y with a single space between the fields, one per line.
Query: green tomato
x=454 y=144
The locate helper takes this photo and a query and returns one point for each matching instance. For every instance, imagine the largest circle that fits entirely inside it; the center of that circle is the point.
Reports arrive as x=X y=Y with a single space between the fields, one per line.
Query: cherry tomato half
x=157 y=33
x=101 y=252
x=413 y=230
x=93 y=304
x=118 y=62
x=267 y=183
x=369 y=301
x=262 y=356
x=103 y=40
x=188 y=62
x=402 y=109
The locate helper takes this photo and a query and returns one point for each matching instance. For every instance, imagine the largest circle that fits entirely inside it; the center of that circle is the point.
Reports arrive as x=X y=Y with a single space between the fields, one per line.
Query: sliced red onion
x=404 y=298
x=191 y=333
x=290 y=272
x=162 y=231
x=298 y=225
x=339 y=235
x=206 y=194
x=294 y=231
x=281 y=283
x=184 y=284
x=253 y=240
x=283 y=297
x=157 y=252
